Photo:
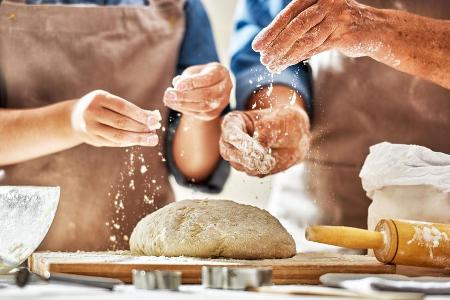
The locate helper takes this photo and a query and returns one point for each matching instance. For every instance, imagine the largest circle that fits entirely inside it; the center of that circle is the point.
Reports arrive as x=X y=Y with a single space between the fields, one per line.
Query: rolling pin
x=401 y=242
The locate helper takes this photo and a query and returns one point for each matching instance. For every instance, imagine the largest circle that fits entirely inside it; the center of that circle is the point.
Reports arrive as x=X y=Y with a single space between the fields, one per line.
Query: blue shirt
x=251 y=17
x=198 y=47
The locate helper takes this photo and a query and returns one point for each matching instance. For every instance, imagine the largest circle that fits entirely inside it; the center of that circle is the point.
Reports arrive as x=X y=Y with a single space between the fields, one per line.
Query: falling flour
x=144 y=169
x=134 y=166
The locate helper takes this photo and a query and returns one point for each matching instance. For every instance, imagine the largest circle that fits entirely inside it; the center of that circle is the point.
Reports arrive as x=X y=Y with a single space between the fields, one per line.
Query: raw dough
x=407 y=182
x=212 y=228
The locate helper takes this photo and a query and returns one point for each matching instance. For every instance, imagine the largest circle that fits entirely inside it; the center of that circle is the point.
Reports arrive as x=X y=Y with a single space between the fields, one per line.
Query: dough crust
x=212 y=228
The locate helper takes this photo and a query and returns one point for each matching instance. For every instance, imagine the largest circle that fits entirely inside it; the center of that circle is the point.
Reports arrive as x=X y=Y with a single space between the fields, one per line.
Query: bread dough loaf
x=211 y=228
x=407 y=182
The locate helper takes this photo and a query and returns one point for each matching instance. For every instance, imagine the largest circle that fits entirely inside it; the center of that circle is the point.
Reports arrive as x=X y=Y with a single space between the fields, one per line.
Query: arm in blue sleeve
x=198 y=47
x=251 y=17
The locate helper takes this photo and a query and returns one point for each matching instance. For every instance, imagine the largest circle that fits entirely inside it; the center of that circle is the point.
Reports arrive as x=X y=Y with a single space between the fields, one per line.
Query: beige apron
x=51 y=53
x=359 y=102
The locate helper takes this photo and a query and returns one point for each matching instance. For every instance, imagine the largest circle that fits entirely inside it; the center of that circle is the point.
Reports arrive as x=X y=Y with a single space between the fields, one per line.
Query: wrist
x=365 y=31
x=198 y=120
x=67 y=123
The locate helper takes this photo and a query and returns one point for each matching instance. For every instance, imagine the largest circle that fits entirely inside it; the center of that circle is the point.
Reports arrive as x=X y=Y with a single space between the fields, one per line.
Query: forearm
x=410 y=43
x=30 y=133
x=196 y=147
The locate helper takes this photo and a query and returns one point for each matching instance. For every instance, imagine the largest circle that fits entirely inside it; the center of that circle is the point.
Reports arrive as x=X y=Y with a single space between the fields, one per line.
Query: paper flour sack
x=406 y=182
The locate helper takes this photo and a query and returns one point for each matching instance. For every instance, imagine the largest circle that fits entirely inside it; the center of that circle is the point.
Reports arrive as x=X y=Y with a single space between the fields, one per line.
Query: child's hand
x=104 y=120
x=201 y=91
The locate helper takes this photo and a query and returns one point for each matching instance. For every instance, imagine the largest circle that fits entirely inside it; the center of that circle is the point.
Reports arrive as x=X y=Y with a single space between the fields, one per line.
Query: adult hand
x=104 y=120
x=267 y=141
x=307 y=27
x=202 y=91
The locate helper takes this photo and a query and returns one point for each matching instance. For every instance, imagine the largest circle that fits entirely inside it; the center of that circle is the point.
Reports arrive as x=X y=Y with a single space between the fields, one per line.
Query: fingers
x=188 y=71
x=196 y=100
x=124 y=138
x=125 y=108
x=201 y=91
x=311 y=43
x=115 y=120
x=104 y=120
x=238 y=146
x=301 y=24
x=210 y=75
x=244 y=163
x=98 y=141
x=265 y=37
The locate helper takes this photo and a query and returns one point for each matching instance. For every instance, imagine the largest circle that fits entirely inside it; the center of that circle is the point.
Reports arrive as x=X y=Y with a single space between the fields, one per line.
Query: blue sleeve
x=251 y=17
x=198 y=47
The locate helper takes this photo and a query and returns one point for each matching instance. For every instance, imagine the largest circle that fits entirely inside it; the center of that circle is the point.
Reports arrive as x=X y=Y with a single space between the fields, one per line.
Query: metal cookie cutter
x=156 y=280
x=235 y=278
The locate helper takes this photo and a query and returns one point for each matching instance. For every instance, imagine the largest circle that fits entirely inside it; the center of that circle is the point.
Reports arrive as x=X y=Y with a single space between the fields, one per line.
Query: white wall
x=239 y=187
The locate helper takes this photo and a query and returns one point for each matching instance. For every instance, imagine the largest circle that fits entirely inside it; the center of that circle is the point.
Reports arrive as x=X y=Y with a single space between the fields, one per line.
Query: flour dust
x=135 y=170
x=429 y=237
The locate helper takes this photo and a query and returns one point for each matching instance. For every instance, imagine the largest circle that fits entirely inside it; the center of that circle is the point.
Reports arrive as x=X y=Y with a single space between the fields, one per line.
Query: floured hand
x=105 y=120
x=202 y=91
x=267 y=141
x=307 y=27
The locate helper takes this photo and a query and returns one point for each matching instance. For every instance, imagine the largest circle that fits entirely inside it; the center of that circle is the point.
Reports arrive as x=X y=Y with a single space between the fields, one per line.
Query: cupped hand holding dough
x=212 y=228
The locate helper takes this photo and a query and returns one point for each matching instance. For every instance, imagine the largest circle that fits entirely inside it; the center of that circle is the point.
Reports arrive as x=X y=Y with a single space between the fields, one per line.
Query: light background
x=239 y=187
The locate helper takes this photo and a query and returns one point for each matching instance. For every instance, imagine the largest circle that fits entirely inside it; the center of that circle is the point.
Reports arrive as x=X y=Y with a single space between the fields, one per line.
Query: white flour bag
x=406 y=182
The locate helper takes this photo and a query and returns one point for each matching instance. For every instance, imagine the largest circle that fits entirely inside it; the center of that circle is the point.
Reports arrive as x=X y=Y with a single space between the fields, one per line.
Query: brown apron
x=51 y=53
x=360 y=102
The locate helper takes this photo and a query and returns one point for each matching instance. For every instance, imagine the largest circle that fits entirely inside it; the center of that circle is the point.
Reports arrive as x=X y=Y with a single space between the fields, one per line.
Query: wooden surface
x=302 y=268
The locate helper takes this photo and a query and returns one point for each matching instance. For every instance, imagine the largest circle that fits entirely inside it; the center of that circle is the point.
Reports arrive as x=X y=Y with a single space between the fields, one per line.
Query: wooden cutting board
x=304 y=268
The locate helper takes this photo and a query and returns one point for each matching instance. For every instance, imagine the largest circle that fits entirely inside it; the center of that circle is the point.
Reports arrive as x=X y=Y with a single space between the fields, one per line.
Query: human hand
x=105 y=120
x=202 y=91
x=267 y=141
x=307 y=27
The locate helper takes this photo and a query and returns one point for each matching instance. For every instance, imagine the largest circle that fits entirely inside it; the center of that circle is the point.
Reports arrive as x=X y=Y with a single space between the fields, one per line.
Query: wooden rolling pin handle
x=347 y=237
